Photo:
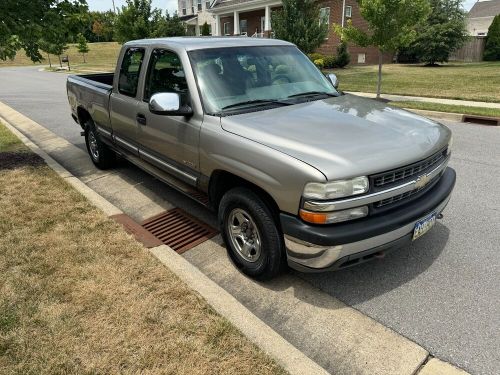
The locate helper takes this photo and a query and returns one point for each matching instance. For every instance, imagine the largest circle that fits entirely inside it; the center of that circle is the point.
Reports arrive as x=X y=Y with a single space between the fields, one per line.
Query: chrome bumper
x=319 y=257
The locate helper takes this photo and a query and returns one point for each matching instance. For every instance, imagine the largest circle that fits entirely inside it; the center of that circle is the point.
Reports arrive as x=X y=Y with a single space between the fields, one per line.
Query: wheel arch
x=222 y=181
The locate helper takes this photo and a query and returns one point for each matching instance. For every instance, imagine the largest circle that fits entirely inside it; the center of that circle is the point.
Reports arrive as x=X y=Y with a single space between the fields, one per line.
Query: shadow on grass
x=18 y=159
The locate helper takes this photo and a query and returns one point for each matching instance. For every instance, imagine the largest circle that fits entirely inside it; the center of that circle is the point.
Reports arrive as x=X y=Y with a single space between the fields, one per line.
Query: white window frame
x=348 y=11
x=207 y=4
x=200 y=6
x=321 y=17
x=183 y=11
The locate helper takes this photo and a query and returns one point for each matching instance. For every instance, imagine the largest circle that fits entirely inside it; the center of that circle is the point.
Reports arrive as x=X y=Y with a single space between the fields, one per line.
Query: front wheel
x=252 y=237
x=102 y=156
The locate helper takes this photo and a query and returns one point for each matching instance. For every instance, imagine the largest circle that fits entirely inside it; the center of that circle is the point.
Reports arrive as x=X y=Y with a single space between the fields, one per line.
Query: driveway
x=442 y=292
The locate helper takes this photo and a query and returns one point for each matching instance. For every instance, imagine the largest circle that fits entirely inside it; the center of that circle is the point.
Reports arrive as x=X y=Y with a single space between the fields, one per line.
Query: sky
x=171 y=5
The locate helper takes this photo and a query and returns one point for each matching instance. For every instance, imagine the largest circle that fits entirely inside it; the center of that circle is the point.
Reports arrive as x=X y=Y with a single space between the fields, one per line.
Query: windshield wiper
x=256 y=101
x=311 y=93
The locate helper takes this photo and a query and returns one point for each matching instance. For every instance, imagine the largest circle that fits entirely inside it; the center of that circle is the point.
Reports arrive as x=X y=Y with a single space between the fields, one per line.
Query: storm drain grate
x=179 y=230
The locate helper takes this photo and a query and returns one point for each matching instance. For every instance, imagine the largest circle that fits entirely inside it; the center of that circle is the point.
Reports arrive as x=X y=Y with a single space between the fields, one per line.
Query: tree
x=441 y=33
x=136 y=20
x=343 y=58
x=98 y=29
x=23 y=23
x=168 y=26
x=492 y=46
x=299 y=22
x=83 y=48
x=391 y=25
x=205 y=29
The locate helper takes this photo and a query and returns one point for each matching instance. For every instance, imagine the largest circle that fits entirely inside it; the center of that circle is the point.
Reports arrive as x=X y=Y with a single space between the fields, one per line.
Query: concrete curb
x=258 y=332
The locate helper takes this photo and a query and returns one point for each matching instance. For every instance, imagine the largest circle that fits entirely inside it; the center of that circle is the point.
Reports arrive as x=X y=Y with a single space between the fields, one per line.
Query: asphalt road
x=442 y=292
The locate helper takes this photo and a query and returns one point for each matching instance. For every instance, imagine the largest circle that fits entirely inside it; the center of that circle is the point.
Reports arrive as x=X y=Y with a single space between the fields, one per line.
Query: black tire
x=100 y=154
x=270 y=259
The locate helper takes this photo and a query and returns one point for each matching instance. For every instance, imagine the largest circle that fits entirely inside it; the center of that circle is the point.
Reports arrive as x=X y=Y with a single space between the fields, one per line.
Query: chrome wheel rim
x=94 y=151
x=244 y=235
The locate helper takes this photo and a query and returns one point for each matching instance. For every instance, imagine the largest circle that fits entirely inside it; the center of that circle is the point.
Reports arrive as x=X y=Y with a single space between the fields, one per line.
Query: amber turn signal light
x=313 y=217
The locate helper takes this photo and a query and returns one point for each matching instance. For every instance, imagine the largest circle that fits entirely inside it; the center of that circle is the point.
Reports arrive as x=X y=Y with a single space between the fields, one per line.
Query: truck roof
x=203 y=42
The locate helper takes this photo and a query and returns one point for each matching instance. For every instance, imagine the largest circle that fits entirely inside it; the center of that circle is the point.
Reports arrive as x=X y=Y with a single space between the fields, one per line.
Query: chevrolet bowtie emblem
x=422 y=181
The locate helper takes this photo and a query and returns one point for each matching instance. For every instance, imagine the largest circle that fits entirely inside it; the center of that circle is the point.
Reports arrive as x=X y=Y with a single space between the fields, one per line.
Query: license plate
x=424 y=225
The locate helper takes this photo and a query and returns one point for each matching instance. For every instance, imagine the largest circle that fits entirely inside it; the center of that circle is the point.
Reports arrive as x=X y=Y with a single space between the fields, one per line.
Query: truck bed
x=91 y=92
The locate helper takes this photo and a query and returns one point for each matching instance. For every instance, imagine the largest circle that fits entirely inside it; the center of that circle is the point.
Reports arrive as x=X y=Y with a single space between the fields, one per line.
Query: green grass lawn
x=101 y=57
x=489 y=112
x=466 y=81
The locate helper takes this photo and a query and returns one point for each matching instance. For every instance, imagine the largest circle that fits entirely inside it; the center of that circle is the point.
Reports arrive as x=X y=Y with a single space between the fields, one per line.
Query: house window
x=199 y=5
x=243 y=27
x=348 y=11
x=227 y=28
x=183 y=11
x=207 y=5
x=324 y=16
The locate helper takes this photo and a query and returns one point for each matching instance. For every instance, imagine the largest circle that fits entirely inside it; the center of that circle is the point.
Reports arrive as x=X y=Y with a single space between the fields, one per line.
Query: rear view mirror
x=333 y=80
x=169 y=104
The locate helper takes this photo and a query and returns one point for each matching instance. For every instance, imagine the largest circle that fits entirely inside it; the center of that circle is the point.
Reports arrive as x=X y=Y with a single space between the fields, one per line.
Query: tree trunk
x=60 y=62
x=380 y=62
x=84 y=58
x=50 y=63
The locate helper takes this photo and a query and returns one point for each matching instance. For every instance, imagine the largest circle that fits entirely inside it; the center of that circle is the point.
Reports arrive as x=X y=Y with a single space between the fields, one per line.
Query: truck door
x=168 y=142
x=123 y=100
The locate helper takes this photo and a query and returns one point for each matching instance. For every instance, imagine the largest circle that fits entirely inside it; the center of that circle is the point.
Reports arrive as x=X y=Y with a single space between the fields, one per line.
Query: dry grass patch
x=101 y=57
x=79 y=295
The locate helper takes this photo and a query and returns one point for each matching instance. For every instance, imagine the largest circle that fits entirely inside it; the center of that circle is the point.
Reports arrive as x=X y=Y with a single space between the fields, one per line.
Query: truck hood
x=343 y=137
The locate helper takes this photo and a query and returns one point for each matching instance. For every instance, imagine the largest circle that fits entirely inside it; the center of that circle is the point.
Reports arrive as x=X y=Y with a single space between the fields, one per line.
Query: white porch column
x=217 y=26
x=267 y=19
x=236 y=23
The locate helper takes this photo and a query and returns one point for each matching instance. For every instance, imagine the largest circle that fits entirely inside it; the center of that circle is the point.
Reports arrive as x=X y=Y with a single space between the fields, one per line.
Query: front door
x=123 y=101
x=168 y=142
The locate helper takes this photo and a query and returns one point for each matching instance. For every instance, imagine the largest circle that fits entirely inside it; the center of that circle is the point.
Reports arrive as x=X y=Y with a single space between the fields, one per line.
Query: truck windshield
x=253 y=76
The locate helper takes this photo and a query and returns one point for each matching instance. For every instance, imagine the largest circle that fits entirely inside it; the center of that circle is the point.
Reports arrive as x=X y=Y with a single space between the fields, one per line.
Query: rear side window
x=130 y=70
x=165 y=74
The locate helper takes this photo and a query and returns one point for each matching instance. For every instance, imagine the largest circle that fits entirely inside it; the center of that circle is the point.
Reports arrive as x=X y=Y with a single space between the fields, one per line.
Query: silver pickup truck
x=299 y=172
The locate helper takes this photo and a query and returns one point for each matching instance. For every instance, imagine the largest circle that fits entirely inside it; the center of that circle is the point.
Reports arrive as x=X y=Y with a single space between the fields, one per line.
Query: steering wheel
x=281 y=77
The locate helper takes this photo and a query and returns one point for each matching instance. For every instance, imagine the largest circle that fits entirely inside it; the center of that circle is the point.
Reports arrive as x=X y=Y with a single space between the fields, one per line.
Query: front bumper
x=313 y=248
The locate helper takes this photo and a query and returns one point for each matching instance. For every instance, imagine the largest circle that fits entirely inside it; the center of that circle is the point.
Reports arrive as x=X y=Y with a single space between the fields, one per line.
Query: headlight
x=336 y=189
x=335 y=216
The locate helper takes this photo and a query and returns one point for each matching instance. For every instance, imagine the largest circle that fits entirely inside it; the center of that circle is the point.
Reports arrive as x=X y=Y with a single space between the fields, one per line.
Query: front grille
x=397 y=198
x=408 y=171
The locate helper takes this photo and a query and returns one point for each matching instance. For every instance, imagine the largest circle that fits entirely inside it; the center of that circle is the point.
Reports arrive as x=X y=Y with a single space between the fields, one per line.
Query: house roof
x=485 y=8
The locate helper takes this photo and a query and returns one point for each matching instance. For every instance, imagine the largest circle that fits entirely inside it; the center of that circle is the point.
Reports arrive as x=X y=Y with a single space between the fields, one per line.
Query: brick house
x=253 y=19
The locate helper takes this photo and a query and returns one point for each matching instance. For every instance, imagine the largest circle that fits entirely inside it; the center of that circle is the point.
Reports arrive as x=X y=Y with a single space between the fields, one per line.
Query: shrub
x=492 y=46
x=343 y=57
x=330 y=62
x=315 y=56
x=205 y=29
x=320 y=63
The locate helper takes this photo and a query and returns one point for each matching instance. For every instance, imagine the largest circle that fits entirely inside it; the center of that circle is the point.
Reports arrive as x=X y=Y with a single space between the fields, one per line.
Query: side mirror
x=333 y=80
x=169 y=104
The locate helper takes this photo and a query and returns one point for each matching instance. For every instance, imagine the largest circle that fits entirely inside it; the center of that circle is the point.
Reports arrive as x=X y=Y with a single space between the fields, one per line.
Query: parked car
x=299 y=172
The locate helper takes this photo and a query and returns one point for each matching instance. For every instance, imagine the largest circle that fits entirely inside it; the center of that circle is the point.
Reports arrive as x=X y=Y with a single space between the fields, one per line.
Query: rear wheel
x=100 y=154
x=252 y=237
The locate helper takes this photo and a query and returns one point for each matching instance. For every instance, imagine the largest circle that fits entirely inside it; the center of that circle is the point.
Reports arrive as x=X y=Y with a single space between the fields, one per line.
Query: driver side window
x=165 y=74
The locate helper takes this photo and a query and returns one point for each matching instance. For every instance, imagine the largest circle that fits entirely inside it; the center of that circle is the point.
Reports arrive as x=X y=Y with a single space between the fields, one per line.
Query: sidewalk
x=403 y=98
